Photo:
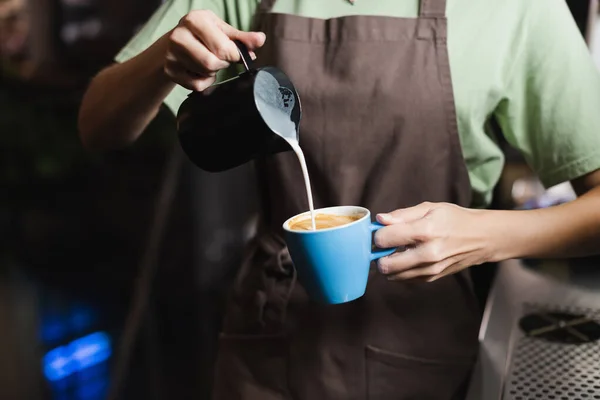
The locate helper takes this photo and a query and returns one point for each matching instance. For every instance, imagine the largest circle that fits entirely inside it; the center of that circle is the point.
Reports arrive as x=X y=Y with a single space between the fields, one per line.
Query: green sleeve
x=551 y=112
x=163 y=20
x=237 y=13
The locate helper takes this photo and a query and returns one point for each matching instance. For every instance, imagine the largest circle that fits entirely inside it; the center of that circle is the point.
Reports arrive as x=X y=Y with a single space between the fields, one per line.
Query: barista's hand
x=201 y=45
x=440 y=239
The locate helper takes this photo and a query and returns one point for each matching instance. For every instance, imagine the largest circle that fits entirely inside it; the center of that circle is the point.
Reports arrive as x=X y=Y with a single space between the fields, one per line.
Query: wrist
x=155 y=56
x=502 y=233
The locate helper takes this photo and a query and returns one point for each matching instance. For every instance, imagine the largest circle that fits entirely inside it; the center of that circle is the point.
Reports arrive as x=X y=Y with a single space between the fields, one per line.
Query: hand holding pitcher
x=201 y=45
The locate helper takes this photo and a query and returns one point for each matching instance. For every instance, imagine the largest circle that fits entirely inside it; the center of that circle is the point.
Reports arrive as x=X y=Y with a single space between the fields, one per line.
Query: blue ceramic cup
x=333 y=264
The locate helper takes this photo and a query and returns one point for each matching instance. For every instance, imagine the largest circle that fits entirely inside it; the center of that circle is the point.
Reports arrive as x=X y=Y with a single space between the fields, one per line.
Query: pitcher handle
x=377 y=254
x=244 y=55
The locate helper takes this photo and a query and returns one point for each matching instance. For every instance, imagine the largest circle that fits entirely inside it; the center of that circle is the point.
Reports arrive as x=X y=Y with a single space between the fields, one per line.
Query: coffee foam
x=323 y=221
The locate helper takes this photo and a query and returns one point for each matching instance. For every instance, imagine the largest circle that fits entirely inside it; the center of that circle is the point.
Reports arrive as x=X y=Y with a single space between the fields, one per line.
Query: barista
x=397 y=99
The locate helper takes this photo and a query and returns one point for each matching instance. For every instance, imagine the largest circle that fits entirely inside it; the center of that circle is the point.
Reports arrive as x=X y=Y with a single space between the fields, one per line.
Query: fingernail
x=384 y=217
x=382 y=268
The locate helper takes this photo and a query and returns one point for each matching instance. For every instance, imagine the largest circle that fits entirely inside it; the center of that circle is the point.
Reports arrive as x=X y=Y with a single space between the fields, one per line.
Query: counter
x=567 y=376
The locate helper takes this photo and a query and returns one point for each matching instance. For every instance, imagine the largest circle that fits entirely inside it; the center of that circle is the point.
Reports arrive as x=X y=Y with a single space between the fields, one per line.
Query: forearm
x=567 y=230
x=122 y=99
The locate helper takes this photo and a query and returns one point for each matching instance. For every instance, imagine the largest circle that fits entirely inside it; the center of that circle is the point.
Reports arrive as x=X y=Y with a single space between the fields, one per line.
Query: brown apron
x=379 y=130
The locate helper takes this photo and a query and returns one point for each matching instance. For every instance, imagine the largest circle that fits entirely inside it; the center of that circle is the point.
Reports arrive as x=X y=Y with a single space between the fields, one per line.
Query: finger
x=217 y=35
x=404 y=233
x=189 y=48
x=451 y=270
x=419 y=256
x=432 y=272
x=400 y=262
x=412 y=274
x=253 y=40
x=206 y=66
x=181 y=76
x=396 y=235
x=427 y=272
x=405 y=214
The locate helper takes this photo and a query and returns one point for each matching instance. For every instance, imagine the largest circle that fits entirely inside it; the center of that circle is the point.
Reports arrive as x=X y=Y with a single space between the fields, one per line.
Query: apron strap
x=266 y=5
x=432 y=8
x=429 y=8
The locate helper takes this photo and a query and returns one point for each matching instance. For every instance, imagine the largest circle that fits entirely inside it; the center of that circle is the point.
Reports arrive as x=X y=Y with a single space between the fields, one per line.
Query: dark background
x=75 y=225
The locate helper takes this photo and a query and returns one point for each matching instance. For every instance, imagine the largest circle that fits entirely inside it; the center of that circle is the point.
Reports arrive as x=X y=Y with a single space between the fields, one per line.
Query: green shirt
x=522 y=61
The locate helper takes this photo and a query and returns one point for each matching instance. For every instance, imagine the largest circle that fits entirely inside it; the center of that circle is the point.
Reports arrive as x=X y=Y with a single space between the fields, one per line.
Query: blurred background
x=77 y=228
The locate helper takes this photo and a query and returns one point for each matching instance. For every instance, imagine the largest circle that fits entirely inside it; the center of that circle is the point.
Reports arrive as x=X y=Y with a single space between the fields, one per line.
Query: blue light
x=57 y=364
x=93 y=390
x=76 y=356
x=81 y=317
x=53 y=329
x=55 y=325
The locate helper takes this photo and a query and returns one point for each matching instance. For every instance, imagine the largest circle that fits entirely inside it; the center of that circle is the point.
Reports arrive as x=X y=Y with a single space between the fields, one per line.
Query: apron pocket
x=251 y=367
x=391 y=376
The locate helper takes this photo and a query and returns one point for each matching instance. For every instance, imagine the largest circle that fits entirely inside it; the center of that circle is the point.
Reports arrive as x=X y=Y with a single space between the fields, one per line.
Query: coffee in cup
x=323 y=221
x=333 y=261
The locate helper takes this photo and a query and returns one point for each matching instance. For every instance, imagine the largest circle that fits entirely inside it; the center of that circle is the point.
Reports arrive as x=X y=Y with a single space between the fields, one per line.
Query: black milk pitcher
x=241 y=119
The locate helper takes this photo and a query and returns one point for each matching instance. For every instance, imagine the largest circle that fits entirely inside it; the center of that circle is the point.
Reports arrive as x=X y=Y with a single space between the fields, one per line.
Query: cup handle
x=244 y=55
x=377 y=254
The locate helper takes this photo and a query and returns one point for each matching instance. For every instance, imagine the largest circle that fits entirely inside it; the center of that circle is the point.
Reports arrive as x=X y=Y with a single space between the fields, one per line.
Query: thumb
x=405 y=215
x=252 y=40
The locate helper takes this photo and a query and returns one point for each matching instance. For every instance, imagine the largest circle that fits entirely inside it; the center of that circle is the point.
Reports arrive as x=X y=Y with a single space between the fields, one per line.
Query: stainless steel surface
x=543 y=370
x=514 y=287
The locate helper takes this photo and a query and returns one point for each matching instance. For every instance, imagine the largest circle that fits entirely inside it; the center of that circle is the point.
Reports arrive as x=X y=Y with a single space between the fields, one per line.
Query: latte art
x=322 y=221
